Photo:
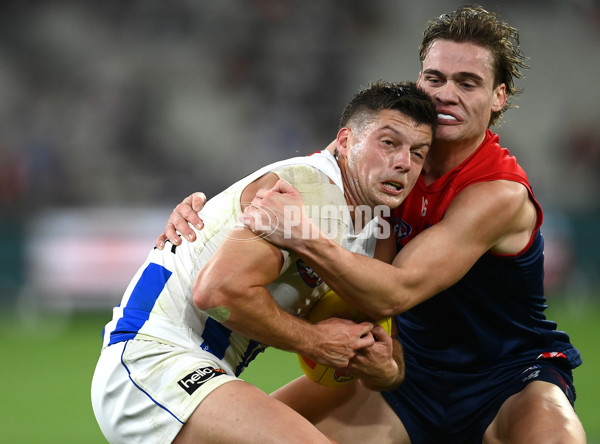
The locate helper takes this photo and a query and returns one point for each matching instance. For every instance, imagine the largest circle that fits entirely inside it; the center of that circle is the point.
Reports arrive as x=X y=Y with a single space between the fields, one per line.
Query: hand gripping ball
x=331 y=305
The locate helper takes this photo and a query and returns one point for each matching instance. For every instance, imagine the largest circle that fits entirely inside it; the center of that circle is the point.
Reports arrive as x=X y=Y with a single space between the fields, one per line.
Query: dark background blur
x=111 y=112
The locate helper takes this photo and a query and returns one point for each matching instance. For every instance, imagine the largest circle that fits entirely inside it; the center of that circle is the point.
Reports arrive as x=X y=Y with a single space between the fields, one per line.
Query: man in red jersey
x=466 y=287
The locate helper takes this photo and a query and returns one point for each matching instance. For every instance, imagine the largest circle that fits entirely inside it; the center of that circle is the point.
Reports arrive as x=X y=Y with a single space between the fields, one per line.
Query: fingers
x=170 y=232
x=198 y=200
x=263 y=223
x=186 y=213
x=251 y=217
x=380 y=334
x=180 y=221
x=160 y=241
x=283 y=186
x=260 y=194
x=247 y=220
x=280 y=187
x=339 y=340
x=181 y=217
x=366 y=338
x=365 y=341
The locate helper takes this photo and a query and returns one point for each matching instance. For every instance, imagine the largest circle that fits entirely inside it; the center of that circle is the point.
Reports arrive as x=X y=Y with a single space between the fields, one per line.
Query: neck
x=354 y=198
x=444 y=156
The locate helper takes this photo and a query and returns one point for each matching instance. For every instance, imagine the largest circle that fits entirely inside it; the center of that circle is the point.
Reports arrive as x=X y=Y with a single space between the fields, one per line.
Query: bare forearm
x=371 y=285
x=254 y=314
x=270 y=325
x=251 y=312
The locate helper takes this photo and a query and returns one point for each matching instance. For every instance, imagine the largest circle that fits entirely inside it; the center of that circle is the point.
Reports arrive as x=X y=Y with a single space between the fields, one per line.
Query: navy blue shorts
x=451 y=407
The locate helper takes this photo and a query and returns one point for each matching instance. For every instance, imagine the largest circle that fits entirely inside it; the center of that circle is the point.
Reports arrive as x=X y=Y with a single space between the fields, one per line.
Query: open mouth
x=395 y=186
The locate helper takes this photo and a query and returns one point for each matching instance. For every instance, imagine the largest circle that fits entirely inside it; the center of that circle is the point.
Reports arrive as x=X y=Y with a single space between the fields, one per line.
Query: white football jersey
x=158 y=303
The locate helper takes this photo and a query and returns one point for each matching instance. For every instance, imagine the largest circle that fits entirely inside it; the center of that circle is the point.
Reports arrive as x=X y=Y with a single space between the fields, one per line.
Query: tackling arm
x=496 y=216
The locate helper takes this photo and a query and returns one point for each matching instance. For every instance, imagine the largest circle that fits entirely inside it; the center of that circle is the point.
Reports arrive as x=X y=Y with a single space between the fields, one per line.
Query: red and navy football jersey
x=496 y=310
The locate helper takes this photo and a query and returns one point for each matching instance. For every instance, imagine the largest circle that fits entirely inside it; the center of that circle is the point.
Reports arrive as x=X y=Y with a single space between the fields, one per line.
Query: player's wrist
x=388 y=378
x=307 y=340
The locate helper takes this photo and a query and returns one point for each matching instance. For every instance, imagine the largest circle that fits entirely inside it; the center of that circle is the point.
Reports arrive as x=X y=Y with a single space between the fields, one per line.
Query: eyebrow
x=461 y=75
x=393 y=130
x=401 y=134
x=387 y=127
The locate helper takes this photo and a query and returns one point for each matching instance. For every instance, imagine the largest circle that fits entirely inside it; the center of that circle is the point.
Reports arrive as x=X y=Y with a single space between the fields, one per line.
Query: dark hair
x=405 y=97
x=472 y=23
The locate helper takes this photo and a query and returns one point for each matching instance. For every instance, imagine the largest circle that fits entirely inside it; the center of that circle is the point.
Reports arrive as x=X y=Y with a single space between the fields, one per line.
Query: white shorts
x=144 y=391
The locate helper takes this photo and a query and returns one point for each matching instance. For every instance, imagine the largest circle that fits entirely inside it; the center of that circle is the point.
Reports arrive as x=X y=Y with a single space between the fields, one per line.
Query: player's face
x=460 y=79
x=385 y=159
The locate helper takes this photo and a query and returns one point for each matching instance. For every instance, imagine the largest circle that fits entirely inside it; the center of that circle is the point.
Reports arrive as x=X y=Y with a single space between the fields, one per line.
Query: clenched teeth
x=446 y=116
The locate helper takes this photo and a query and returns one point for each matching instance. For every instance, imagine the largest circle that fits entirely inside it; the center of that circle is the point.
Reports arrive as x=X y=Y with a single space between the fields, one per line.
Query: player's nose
x=401 y=160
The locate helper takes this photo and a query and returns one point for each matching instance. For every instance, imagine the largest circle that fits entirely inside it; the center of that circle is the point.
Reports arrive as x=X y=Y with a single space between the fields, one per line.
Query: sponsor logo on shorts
x=531 y=373
x=192 y=382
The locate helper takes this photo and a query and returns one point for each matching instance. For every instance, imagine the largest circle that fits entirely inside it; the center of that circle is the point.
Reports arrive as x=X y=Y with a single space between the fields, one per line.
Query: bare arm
x=232 y=288
x=496 y=216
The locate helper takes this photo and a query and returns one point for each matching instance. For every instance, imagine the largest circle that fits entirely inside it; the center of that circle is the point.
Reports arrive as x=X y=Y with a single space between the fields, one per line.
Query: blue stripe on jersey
x=140 y=303
x=216 y=338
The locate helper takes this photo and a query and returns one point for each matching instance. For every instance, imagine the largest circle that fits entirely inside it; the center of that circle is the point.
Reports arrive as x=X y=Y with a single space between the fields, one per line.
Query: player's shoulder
x=500 y=190
x=500 y=211
x=318 y=168
x=495 y=195
x=298 y=174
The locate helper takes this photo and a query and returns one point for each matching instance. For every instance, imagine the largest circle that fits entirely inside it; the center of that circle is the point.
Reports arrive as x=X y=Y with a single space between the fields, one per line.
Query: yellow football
x=331 y=305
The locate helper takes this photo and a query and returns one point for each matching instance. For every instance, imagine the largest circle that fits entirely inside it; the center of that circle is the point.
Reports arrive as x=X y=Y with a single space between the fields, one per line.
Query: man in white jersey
x=196 y=314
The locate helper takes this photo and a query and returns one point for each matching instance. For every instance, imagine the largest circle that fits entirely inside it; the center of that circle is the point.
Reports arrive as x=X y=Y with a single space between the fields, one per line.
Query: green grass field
x=47 y=365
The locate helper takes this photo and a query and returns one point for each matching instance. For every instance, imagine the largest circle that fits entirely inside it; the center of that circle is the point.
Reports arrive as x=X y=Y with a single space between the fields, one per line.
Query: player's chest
x=419 y=211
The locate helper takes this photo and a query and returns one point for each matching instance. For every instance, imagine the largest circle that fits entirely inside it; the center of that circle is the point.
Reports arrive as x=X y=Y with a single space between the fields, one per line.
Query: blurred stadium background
x=113 y=111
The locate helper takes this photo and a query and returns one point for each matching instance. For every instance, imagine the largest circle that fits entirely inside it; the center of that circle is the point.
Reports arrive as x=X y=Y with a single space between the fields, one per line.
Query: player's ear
x=499 y=99
x=342 y=140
